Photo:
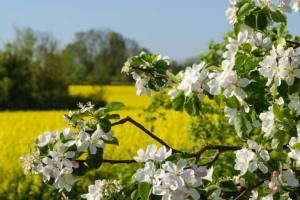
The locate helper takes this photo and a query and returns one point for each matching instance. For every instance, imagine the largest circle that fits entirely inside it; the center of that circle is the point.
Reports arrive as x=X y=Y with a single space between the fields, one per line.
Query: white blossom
x=233 y=45
x=270 y=4
x=288 y=69
x=257 y=41
x=30 y=162
x=268 y=197
x=228 y=81
x=102 y=189
x=173 y=93
x=96 y=140
x=268 y=122
x=150 y=174
x=216 y=195
x=173 y=181
x=289 y=178
x=65 y=181
x=295 y=103
x=290 y=5
x=47 y=138
x=270 y=70
x=254 y=195
x=246 y=160
x=153 y=154
x=231 y=12
x=193 y=80
x=231 y=113
x=140 y=84
x=295 y=152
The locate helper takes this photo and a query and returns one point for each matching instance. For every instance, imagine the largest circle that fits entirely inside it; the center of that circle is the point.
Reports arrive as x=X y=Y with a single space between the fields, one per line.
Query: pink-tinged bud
x=281 y=177
x=272 y=185
x=276 y=189
x=75 y=164
x=275 y=173
x=199 y=172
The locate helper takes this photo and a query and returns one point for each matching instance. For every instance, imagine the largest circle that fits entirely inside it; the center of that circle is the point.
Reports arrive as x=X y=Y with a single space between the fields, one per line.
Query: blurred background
x=54 y=54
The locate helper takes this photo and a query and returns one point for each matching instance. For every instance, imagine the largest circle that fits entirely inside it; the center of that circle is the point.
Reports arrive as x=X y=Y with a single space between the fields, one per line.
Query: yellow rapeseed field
x=18 y=130
x=125 y=94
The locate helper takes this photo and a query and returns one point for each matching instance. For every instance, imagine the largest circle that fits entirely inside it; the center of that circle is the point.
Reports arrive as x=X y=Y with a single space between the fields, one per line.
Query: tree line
x=35 y=72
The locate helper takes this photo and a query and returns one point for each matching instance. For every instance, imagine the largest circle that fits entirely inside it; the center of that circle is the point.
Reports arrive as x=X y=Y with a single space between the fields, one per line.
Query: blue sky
x=176 y=28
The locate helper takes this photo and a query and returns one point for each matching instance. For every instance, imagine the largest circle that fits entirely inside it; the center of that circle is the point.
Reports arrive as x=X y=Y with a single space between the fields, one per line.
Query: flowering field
x=125 y=94
x=18 y=130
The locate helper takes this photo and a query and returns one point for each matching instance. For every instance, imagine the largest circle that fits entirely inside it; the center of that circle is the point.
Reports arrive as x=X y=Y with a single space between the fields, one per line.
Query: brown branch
x=249 y=189
x=118 y=161
x=212 y=162
x=197 y=155
x=220 y=148
x=293 y=43
x=149 y=133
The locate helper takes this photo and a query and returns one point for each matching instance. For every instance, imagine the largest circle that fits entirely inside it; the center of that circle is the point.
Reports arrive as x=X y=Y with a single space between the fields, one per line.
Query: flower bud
x=75 y=164
x=276 y=189
x=275 y=173
x=281 y=177
x=272 y=185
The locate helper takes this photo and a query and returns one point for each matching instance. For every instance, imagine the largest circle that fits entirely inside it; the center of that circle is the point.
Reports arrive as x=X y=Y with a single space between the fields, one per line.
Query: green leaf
x=178 y=102
x=247 y=47
x=144 y=190
x=228 y=186
x=250 y=20
x=244 y=10
x=257 y=20
x=239 y=61
x=278 y=16
x=262 y=21
x=135 y=195
x=278 y=111
x=113 y=116
x=297 y=146
x=95 y=161
x=237 y=28
x=113 y=106
x=81 y=170
x=115 y=141
x=240 y=125
x=192 y=105
x=277 y=141
x=105 y=124
x=278 y=156
x=161 y=65
x=232 y=102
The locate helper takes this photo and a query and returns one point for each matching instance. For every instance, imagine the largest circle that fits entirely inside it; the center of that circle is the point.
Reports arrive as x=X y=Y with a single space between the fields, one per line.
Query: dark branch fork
x=220 y=149
x=197 y=155
x=293 y=43
x=249 y=189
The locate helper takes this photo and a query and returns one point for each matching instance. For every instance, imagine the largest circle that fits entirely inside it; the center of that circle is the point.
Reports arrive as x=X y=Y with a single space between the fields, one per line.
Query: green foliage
x=33 y=76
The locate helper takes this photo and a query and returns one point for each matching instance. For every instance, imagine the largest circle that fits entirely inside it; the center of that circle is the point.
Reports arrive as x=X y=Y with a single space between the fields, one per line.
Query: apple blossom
x=231 y=12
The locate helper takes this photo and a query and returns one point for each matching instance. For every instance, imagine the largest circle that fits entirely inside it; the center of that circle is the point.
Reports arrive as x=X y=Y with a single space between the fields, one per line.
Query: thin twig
x=215 y=158
x=149 y=133
x=118 y=161
x=249 y=189
x=221 y=148
x=197 y=155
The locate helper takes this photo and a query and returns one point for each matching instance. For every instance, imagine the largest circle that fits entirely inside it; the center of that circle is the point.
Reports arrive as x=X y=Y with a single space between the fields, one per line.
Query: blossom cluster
x=56 y=155
x=103 y=189
x=281 y=5
x=168 y=179
x=143 y=69
x=252 y=158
